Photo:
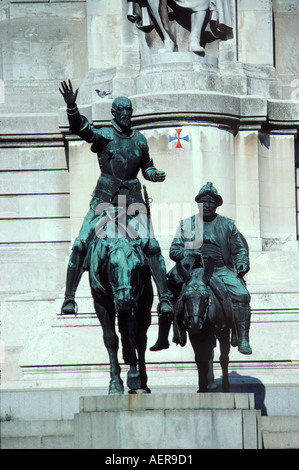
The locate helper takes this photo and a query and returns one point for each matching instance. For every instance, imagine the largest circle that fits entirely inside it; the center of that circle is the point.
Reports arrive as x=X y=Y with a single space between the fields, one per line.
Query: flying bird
x=102 y=94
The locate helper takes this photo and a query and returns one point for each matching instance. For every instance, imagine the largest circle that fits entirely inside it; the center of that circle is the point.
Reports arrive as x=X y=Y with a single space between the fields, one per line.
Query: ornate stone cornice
x=233 y=112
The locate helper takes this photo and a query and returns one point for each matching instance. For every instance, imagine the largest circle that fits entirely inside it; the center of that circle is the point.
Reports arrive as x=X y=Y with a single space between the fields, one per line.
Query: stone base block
x=180 y=71
x=168 y=421
x=37 y=434
x=280 y=432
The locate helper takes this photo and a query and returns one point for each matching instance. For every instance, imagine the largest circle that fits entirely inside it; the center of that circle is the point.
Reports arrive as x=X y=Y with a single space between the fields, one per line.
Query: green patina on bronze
x=120 y=285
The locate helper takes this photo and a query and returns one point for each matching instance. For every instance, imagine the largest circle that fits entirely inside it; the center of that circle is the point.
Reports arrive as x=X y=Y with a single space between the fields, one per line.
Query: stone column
x=286 y=15
x=104 y=37
x=104 y=33
x=277 y=176
x=255 y=31
x=256 y=47
x=277 y=193
x=232 y=74
x=247 y=186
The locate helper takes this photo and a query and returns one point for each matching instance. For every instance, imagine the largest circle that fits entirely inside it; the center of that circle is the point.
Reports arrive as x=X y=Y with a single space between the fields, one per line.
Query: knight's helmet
x=209 y=190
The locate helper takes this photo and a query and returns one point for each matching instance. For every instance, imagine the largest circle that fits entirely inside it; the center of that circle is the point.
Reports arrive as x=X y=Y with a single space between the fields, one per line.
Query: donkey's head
x=195 y=299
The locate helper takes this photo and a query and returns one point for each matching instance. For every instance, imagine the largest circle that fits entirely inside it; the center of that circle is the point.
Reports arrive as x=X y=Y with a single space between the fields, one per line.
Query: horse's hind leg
x=128 y=330
x=211 y=379
x=133 y=379
x=111 y=342
x=141 y=347
x=224 y=359
x=116 y=386
x=143 y=323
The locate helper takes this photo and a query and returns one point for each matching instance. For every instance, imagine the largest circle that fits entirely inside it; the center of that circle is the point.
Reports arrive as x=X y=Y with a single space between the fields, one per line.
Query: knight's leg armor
x=75 y=266
x=165 y=307
x=73 y=277
x=158 y=271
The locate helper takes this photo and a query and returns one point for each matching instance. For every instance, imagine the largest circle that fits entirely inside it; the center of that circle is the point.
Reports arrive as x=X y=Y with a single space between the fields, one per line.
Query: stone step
x=39 y=434
x=280 y=432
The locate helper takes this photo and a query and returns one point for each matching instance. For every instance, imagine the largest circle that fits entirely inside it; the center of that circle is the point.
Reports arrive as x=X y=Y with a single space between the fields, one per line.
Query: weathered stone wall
x=42 y=43
x=286 y=17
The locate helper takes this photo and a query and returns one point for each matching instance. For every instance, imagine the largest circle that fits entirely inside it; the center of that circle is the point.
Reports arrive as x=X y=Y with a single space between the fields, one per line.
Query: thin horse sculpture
x=121 y=286
x=199 y=312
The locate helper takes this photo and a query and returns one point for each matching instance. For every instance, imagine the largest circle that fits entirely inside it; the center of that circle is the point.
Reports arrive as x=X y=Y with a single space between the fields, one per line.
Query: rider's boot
x=162 y=341
x=165 y=307
x=158 y=271
x=242 y=322
x=73 y=277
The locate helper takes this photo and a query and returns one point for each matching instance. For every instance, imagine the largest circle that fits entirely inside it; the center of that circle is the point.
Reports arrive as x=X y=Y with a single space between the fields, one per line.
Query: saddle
x=219 y=295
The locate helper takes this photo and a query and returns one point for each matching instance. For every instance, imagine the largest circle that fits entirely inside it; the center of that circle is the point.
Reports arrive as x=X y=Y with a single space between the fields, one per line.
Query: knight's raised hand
x=68 y=94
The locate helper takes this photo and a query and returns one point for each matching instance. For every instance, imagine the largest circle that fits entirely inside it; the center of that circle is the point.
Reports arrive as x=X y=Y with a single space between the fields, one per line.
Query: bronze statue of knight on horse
x=120 y=260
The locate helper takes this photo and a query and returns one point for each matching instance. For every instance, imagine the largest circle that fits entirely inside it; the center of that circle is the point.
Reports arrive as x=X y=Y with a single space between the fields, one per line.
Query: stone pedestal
x=180 y=71
x=168 y=421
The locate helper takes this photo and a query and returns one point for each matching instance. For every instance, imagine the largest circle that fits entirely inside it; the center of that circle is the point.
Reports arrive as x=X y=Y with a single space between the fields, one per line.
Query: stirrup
x=69 y=300
x=244 y=347
x=167 y=300
x=160 y=345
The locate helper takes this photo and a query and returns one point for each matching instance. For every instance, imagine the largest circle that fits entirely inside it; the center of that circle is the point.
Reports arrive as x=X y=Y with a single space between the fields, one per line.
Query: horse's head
x=122 y=264
x=195 y=299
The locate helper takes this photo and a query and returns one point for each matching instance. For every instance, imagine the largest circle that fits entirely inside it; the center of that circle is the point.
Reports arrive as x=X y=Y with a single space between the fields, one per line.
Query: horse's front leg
x=133 y=379
x=111 y=342
x=141 y=347
x=211 y=378
x=128 y=331
x=116 y=386
x=143 y=313
x=202 y=353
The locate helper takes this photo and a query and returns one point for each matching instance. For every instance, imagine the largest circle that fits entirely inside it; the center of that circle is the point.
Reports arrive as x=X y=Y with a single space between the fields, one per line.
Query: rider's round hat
x=209 y=190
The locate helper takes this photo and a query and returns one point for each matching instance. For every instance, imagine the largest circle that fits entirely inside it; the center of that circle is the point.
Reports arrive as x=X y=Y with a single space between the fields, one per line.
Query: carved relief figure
x=219 y=19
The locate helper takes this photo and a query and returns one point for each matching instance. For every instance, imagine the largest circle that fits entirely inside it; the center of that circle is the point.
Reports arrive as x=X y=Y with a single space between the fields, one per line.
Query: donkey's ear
x=208 y=272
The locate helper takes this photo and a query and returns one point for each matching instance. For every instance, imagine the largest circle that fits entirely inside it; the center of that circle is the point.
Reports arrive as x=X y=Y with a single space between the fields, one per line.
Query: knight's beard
x=126 y=122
